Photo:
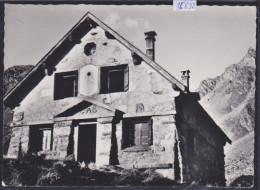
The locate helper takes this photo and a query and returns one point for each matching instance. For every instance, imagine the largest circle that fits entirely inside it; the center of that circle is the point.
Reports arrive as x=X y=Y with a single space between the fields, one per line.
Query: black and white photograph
x=129 y=95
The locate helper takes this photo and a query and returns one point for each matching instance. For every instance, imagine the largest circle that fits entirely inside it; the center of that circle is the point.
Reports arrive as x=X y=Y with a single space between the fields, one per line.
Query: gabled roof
x=17 y=94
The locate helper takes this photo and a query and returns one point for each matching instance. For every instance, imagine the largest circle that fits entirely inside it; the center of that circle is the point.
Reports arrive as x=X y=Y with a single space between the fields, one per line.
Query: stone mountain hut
x=96 y=97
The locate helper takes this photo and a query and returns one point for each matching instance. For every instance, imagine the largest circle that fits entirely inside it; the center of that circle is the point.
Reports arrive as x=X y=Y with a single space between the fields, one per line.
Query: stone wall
x=160 y=154
x=13 y=150
x=19 y=143
x=25 y=139
x=201 y=143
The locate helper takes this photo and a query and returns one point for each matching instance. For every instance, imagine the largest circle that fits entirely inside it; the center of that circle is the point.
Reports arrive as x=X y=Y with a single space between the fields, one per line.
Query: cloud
x=117 y=21
x=131 y=23
x=113 y=19
x=136 y=23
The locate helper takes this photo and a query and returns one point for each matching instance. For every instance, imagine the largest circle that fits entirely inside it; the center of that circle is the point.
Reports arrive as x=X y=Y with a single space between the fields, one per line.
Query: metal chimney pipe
x=150 y=41
x=186 y=78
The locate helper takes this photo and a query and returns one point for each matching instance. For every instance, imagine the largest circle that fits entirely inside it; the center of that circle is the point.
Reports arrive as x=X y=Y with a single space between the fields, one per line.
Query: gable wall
x=146 y=86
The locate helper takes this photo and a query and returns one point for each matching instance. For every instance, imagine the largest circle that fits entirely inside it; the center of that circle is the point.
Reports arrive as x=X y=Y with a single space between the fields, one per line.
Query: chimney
x=150 y=40
x=186 y=78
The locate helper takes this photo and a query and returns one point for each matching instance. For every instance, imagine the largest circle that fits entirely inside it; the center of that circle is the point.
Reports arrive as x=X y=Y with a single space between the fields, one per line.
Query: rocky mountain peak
x=251 y=52
x=230 y=101
x=249 y=59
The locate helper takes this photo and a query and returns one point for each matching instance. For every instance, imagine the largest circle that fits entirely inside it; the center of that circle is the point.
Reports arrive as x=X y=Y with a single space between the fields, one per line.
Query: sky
x=205 y=41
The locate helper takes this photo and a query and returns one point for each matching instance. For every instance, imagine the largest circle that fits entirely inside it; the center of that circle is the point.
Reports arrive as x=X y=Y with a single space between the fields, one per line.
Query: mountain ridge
x=14 y=75
x=230 y=101
x=229 y=98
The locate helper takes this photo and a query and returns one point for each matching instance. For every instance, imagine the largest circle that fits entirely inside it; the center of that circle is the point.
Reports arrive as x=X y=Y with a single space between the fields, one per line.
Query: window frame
x=39 y=131
x=129 y=127
x=58 y=79
x=105 y=78
x=141 y=135
x=46 y=138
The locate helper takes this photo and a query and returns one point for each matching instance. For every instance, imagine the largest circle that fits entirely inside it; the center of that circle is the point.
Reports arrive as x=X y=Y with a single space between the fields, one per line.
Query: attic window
x=90 y=49
x=66 y=85
x=137 y=132
x=114 y=79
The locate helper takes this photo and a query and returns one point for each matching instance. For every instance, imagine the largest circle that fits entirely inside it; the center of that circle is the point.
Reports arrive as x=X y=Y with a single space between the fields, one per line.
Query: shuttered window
x=66 y=85
x=114 y=79
x=126 y=79
x=142 y=133
x=137 y=132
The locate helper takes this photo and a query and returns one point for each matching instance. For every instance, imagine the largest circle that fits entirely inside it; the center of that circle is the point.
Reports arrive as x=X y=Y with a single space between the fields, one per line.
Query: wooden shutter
x=137 y=133
x=150 y=141
x=46 y=145
x=126 y=79
x=143 y=133
x=104 y=80
x=75 y=85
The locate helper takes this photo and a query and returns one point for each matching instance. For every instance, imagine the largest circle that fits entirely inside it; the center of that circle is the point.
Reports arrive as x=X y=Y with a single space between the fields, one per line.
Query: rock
x=230 y=97
x=13 y=75
x=230 y=100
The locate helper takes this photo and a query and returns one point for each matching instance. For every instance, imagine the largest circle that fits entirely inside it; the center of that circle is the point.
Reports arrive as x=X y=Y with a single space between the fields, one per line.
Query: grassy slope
x=239 y=158
x=35 y=171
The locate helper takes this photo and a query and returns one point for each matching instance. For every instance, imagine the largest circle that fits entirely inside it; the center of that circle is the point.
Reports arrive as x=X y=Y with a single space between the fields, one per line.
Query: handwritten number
x=185 y=5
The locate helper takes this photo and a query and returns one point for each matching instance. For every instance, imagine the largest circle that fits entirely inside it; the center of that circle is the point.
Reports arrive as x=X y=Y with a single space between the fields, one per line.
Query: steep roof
x=17 y=94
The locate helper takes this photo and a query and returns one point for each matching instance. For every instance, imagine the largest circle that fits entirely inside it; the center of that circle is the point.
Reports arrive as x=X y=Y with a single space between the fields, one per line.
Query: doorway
x=87 y=143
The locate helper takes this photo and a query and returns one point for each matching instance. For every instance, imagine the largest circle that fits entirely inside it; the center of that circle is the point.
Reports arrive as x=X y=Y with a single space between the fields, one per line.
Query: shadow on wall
x=243 y=181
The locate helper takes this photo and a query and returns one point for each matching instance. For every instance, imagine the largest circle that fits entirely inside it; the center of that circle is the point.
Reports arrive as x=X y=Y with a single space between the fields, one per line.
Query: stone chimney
x=186 y=78
x=150 y=40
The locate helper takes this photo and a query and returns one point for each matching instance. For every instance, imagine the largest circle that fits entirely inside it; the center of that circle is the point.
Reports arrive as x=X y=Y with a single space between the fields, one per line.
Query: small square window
x=40 y=138
x=66 y=85
x=114 y=79
x=137 y=132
